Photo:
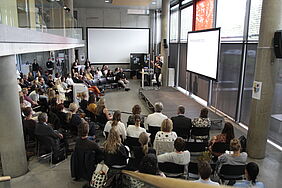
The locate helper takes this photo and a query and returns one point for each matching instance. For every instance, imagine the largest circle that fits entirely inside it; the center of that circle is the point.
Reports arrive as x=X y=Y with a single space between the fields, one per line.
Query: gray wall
x=109 y=17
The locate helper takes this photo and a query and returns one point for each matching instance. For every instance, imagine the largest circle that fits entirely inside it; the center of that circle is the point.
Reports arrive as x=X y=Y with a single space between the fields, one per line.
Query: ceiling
x=136 y=4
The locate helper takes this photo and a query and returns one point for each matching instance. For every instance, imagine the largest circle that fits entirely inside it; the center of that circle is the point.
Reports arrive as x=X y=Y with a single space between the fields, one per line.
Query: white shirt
x=155 y=120
x=166 y=136
x=134 y=131
x=34 y=96
x=182 y=158
x=100 y=73
x=206 y=182
x=120 y=128
x=69 y=81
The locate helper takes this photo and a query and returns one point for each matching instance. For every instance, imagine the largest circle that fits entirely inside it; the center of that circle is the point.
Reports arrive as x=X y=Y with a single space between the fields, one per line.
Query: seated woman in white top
x=179 y=156
x=116 y=122
x=135 y=130
x=166 y=133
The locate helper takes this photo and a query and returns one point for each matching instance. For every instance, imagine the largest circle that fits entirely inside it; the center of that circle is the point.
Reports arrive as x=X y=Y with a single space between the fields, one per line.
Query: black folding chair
x=231 y=173
x=153 y=130
x=200 y=133
x=172 y=169
x=131 y=141
x=193 y=170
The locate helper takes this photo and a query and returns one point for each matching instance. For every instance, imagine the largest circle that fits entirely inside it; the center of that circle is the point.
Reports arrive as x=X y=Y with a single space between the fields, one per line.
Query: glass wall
x=41 y=15
x=231 y=18
x=225 y=91
x=248 y=83
x=254 y=23
x=174 y=12
x=186 y=22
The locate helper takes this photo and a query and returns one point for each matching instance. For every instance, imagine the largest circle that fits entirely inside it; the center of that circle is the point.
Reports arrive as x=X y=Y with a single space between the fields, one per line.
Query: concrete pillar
x=12 y=148
x=265 y=73
x=165 y=39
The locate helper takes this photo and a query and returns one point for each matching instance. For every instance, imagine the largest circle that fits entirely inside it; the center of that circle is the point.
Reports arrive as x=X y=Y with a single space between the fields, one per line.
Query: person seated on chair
x=101 y=112
x=136 y=109
x=116 y=154
x=135 y=130
x=181 y=124
x=155 y=119
x=140 y=151
x=45 y=131
x=251 y=173
x=235 y=157
x=121 y=79
x=203 y=120
x=91 y=106
x=227 y=134
x=73 y=118
x=28 y=124
x=166 y=134
x=69 y=80
x=62 y=116
x=84 y=143
x=117 y=124
x=83 y=103
x=205 y=171
x=179 y=156
x=149 y=165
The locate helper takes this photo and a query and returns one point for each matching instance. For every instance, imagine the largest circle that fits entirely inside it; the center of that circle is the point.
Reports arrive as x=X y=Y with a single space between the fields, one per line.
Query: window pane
x=185 y=2
x=254 y=23
x=182 y=65
x=174 y=24
x=225 y=91
x=204 y=14
x=186 y=22
x=275 y=130
x=231 y=17
x=249 y=78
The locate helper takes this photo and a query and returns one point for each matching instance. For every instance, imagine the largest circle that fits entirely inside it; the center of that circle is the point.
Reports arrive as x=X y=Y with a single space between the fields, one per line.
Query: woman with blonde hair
x=61 y=90
x=115 y=153
x=117 y=124
x=235 y=157
x=166 y=133
x=102 y=113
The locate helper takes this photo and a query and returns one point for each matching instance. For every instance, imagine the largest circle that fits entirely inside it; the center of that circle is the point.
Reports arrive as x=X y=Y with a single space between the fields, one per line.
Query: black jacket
x=182 y=126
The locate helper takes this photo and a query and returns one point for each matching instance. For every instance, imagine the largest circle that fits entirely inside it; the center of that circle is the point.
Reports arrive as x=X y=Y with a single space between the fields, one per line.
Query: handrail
x=159 y=181
x=5 y=178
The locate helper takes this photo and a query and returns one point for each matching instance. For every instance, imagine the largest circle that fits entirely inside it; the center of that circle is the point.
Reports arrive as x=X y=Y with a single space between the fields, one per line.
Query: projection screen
x=114 y=45
x=202 y=52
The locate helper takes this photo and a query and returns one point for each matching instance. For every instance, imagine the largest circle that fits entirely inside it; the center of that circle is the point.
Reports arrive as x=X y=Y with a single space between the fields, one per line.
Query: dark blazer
x=182 y=126
x=47 y=137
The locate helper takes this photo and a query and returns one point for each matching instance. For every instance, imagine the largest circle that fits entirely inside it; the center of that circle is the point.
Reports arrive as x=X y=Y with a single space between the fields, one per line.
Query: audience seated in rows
x=136 y=110
x=117 y=125
x=251 y=173
x=205 y=172
x=135 y=130
x=181 y=124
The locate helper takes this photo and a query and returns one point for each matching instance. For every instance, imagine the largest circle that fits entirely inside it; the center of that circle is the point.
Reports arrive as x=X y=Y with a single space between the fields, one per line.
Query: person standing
x=35 y=68
x=158 y=69
x=50 y=66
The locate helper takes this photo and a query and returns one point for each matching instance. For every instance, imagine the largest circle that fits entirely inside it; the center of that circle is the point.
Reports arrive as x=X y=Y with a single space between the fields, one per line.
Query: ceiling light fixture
x=154 y=2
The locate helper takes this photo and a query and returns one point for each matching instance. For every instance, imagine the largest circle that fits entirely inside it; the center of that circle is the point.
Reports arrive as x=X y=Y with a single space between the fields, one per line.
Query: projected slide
x=108 y=45
x=202 y=52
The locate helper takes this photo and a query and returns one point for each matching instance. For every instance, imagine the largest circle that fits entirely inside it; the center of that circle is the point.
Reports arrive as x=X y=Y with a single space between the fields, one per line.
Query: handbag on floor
x=99 y=176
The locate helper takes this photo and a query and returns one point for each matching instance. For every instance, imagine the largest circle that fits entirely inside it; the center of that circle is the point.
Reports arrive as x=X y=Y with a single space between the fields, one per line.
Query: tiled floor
x=41 y=175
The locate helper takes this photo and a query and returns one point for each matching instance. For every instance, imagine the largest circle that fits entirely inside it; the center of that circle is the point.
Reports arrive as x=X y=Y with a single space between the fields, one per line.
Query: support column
x=165 y=39
x=12 y=148
x=265 y=73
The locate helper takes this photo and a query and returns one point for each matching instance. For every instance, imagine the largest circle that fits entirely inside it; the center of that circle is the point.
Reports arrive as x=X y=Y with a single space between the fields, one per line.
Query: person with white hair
x=156 y=119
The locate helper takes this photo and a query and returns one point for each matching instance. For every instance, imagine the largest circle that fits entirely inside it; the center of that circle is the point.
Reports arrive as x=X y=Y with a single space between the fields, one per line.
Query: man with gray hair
x=46 y=133
x=181 y=124
x=156 y=119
